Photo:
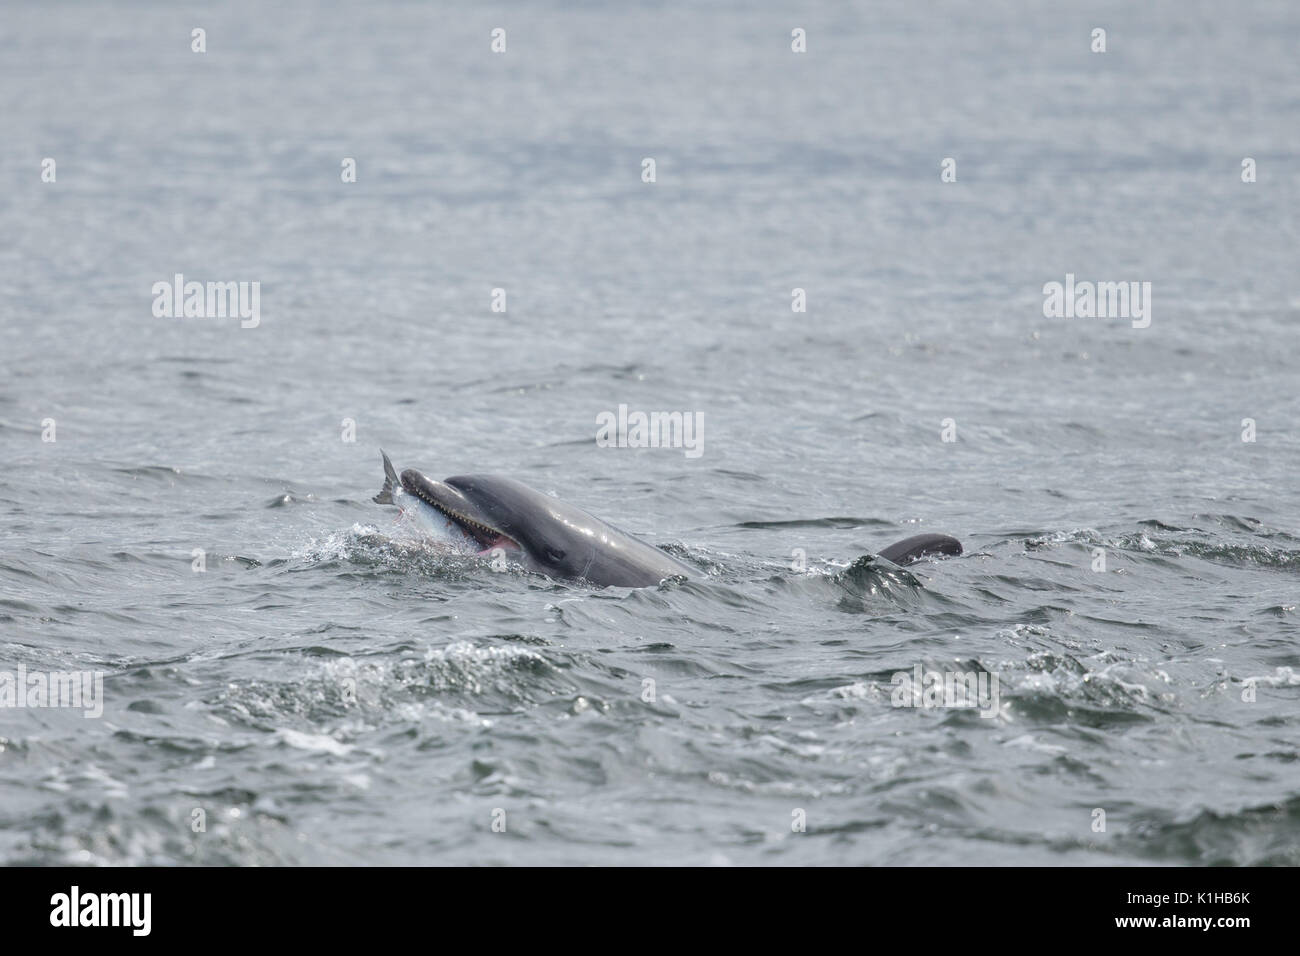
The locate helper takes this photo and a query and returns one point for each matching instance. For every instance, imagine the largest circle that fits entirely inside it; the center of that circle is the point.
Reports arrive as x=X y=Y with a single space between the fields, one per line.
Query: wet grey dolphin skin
x=913 y=549
x=542 y=533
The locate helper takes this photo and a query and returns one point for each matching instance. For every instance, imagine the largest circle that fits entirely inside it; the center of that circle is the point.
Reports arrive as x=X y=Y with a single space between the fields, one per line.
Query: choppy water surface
x=330 y=691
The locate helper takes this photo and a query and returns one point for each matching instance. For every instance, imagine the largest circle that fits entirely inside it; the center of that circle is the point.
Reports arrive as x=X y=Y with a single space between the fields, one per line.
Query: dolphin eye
x=554 y=554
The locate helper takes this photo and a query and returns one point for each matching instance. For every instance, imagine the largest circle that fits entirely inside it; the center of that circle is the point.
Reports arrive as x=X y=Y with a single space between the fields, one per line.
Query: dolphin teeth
x=462 y=519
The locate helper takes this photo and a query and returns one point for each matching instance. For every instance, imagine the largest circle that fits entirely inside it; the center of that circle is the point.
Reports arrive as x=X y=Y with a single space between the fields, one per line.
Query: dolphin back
x=913 y=549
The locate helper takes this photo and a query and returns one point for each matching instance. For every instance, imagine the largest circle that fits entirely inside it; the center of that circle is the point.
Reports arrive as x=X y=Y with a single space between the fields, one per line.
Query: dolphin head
x=553 y=537
x=496 y=512
x=543 y=533
x=482 y=525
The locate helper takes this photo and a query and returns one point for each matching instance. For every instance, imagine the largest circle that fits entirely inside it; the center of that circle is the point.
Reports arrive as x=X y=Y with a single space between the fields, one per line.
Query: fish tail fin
x=385 y=496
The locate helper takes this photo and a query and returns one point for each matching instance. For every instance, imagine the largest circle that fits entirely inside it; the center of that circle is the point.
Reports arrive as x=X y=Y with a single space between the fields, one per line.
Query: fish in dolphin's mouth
x=450 y=502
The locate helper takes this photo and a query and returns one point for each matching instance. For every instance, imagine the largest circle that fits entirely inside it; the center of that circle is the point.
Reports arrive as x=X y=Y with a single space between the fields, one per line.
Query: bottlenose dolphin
x=483 y=513
x=542 y=533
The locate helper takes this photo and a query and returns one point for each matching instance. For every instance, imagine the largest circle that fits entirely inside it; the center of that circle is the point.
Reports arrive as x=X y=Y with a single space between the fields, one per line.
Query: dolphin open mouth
x=459 y=508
